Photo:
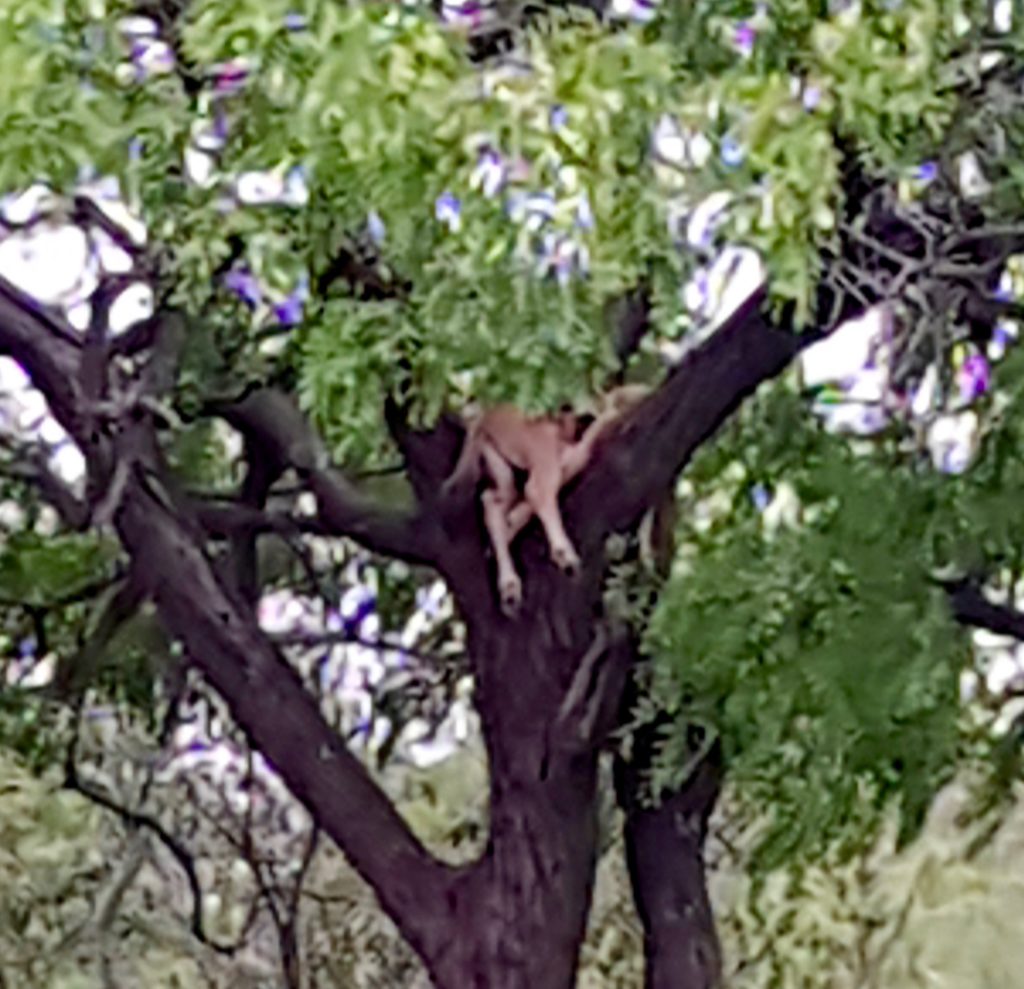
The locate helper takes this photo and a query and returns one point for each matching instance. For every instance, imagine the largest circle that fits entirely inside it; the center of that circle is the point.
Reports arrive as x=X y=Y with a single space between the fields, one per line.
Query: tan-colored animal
x=546 y=448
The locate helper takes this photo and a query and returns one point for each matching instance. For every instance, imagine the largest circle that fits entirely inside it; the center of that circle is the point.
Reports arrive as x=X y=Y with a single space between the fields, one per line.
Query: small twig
x=31 y=467
x=136 y=820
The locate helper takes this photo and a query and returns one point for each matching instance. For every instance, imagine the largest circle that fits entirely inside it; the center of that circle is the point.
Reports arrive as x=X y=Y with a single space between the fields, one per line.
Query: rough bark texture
x=665 y=857
x=549 y=683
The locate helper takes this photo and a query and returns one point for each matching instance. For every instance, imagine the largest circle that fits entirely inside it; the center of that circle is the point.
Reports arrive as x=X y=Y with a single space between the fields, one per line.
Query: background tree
x=343 y=220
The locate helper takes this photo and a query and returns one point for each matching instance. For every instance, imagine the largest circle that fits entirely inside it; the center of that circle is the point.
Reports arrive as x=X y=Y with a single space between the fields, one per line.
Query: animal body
x=546 y=448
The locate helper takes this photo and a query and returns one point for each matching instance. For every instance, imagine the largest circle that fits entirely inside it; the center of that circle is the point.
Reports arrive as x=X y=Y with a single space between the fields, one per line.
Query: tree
x=370 y=280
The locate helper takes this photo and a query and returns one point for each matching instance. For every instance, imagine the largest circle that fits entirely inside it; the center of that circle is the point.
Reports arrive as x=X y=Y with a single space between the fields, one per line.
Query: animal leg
x=496 y=503
x=542 y=494
x=467 y=467
x=573 y=457
x=518 y=516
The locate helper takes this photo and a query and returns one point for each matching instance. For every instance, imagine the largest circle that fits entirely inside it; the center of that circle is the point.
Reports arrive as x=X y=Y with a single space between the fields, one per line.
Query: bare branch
x=135 y=820
x=270 y=417
x=223 y=518
x=39 y=339
x=280 y=718
x=29 y=465
x=266 y=695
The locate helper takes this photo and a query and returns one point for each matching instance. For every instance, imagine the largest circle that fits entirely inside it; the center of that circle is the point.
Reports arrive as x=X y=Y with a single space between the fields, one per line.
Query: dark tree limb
x=223 y=519
x=631 y=318
x=47 y=348
x=278 y=715
x=271 y=418
x=429 y=455
x=665 y=856
x=639 y=463
x=970 y=607
x=265 y=694
x=263 y=468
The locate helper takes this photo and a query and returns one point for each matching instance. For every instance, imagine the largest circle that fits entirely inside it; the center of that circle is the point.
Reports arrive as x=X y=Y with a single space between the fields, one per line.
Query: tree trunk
x=665 y=857
x=518 y=915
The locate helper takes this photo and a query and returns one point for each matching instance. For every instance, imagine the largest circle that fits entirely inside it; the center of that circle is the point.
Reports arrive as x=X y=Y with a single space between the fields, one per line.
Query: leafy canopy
x=383 y=108
x=475 y=183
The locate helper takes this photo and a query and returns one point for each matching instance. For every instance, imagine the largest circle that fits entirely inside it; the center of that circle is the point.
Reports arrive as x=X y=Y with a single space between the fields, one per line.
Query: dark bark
x=665 y=856
x=656 y=441
x=270 y=419
x=291 y=960
x=548 y=683
x=516 y=917
x=280 y=717
x=970 y=607
x=519 y=914
x=263 y=468
x=545 y=682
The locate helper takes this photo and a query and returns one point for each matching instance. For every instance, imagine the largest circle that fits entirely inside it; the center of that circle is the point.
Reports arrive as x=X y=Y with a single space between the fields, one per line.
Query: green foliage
x=63 y=105
x=929 y=914
x=822 y=651
x=787 y=182
x=382 y=106
x=445 y=804
x=47 y=849
x=813 y=638
x=45 y=570
x=886 y=65
x=985 y=528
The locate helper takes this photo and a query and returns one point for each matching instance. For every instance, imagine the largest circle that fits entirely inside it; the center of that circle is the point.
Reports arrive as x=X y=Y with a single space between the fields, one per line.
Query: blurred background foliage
x=803 y=624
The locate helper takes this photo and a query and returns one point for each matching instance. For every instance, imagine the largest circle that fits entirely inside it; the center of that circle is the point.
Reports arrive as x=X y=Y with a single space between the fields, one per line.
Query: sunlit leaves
x=884 y=68
x=63 y=104
x=381 y=104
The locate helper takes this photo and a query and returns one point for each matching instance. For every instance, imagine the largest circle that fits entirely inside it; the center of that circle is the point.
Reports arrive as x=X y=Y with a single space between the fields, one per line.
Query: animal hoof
x=511 y=593
x=567 y=560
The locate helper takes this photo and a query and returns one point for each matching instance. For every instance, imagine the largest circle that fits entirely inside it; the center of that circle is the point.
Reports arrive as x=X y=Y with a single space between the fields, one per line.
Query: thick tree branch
x=263 y=468
x=665 y=849
x=970 y=607
x=656 y=441
x=35 y=338
x=224 y=519
x=270 y=417
x=266 y=696
x=640 y=461
x=665 y=856
x=429 y=455
x=279 y=716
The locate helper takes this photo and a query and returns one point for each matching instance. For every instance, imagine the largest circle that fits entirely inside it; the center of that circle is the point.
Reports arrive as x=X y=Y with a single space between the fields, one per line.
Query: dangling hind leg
x=497 y=502
x=542 y=488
